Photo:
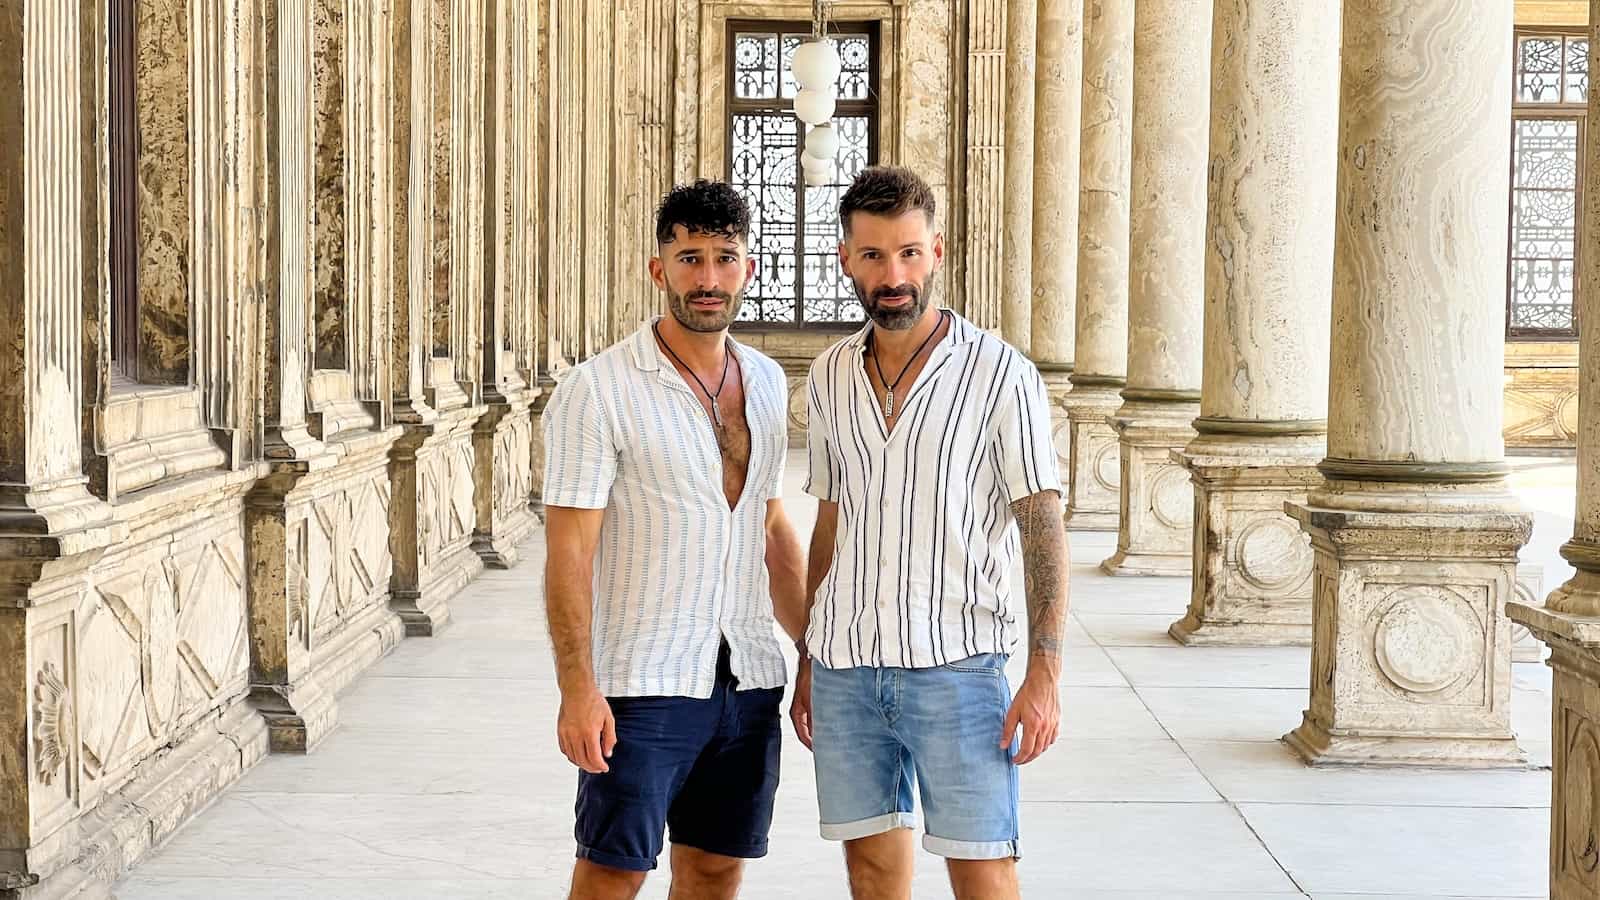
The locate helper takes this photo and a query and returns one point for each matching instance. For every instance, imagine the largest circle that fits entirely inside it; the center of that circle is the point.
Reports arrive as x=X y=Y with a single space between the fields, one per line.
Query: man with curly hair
x=669 y=554
x=932 y=463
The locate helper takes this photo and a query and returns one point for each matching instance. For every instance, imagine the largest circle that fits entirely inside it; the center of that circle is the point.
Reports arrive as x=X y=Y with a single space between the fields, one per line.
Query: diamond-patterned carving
x=110 y=651
x=211 y=614
x=513 y=461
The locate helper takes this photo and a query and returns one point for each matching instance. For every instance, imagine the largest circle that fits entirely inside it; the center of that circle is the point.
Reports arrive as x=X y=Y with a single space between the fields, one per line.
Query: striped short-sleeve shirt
x=922 y=561
x=676 y=571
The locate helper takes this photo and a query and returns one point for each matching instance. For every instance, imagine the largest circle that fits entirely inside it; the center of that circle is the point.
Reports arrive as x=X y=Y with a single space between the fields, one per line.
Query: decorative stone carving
x=55 y=726
x=1095 y=459
x=1155 y=535
x=1411 y=661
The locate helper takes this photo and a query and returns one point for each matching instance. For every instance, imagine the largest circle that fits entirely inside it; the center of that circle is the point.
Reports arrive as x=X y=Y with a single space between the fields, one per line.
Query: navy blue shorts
x=706 y=769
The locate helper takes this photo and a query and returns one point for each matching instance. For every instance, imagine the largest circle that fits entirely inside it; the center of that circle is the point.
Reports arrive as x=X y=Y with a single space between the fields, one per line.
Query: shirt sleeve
x=1027 y=450
x=822 y=480
x=580 y=461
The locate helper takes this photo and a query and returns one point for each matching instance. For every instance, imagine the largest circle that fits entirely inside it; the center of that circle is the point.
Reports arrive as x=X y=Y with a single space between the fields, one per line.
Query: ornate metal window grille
x=794 y=230
x=122 y=136
x=1548 y=127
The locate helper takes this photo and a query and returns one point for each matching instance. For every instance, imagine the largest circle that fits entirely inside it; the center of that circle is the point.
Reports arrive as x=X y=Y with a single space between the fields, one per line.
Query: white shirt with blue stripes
x=926 y=540
x=676 y=570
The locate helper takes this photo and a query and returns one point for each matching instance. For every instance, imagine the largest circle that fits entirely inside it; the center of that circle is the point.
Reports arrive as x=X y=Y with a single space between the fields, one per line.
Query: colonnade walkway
x=444 y=781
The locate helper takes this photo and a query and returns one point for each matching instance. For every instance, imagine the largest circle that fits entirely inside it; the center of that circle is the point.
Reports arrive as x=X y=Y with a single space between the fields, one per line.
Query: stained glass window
x=794 y=231
x=1547 y=137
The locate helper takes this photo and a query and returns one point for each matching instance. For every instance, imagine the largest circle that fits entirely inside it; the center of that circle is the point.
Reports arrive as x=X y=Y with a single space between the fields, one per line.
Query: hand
x=586 y=730
x=1037 y=708
x=800 y=706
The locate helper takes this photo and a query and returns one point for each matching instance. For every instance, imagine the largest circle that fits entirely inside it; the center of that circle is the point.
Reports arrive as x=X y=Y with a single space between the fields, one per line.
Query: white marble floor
x=444 y=780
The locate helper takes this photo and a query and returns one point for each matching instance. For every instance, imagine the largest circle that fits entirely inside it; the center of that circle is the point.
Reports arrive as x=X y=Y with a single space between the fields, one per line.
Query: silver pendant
x=716 y=416
x=888 y=404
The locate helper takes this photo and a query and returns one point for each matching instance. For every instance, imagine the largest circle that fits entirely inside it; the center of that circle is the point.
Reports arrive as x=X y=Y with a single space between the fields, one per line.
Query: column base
x=1155 y=536
x=1574 y=639
x=1128 y=563
x=1199 y=631
x=1317 y=746
x=1252 y=563
x=298 y=717
x=503 y=473
x=1093 y=466
x=87 y=856
x=1411 y=654
x=501 y=550
x=435 y=515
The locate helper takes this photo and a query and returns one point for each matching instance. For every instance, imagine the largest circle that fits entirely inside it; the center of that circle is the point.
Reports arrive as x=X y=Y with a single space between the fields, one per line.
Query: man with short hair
x=930 y=452
x=663 y=472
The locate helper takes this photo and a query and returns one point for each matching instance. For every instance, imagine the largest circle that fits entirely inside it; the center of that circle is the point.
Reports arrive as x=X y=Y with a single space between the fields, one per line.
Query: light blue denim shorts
x=877 y=732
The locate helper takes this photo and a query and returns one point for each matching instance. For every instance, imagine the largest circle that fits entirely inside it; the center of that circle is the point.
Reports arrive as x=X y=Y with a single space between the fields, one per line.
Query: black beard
x=899 y=319
x=701 y=321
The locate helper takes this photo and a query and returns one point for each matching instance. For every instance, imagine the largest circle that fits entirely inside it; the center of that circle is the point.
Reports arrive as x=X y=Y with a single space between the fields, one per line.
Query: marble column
x=1570 y=619
x=1057 y=102
x=502 y=439
x=1415 y=532
x=1100 y=320
x=1016 y=316
x=1269 y=269
x=1166 y=291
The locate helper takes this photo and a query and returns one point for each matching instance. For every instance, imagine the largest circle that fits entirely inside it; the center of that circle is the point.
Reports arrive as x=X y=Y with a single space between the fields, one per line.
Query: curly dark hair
x=706 y=207
x=887 y=191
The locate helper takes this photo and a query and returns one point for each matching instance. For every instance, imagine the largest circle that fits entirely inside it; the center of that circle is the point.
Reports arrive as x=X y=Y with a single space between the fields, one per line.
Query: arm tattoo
x=1044 y=561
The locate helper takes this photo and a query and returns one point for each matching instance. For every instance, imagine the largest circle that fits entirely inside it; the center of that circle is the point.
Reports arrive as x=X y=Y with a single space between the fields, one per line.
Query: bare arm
x=786 y=565
x=819 y=561
x=585 y=727
x=1037 y=707
x=1045 y=568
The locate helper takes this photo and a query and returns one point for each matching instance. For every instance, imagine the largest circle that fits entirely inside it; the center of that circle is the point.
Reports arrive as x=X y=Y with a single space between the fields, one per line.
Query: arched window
x=795 y=232
x=1549 y=121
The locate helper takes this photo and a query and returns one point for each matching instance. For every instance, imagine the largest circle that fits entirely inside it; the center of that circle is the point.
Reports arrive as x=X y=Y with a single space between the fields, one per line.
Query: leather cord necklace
x=716 y=412
x=888 y=400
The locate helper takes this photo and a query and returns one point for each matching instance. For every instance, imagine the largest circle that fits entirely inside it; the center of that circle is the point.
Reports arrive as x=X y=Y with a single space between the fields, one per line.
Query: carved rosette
x=54 y=726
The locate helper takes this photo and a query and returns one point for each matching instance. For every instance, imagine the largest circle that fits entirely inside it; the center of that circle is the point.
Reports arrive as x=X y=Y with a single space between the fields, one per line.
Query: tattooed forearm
x=1044 y=562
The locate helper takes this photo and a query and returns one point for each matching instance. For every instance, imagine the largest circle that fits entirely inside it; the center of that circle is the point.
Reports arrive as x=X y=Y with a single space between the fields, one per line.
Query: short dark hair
x=887 y=191
x=706 y=207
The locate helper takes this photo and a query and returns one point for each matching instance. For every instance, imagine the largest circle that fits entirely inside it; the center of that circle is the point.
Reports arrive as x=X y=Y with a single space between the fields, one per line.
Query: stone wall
x=327 y=427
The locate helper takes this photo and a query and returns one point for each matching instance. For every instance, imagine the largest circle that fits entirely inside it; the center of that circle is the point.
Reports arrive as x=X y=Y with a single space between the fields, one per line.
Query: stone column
x=51 y=529
x=1570 y=619
x=502 y=438
x=1415 y=532
x=1166 y=275
x=1016 y=316
x=1100 y=333
x=1057 y=102
x=1269 y=267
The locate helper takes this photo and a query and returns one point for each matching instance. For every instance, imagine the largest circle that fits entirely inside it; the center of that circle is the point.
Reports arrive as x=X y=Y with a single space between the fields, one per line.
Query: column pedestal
x=1156 y=536
x=1252 y=578
x=1094 y=464
x=503 y=448
x=1412 y=657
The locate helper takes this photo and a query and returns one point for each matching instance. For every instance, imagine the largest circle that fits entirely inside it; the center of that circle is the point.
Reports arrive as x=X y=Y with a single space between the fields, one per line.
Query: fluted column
x=1016 y=316
x=1269 y=266
x=1570 y=619
x=1100 y=332
x=1166 y=275
x=1057 y=103
x=503 y=437
x=1415 y=532
x=51 y=529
